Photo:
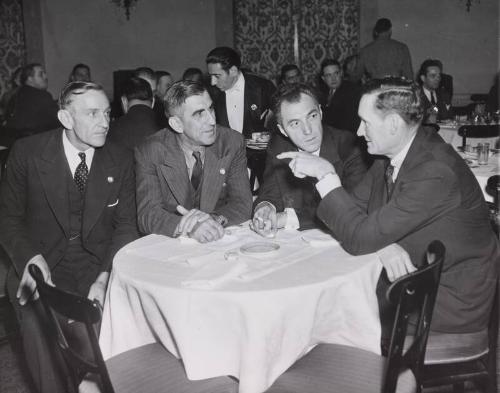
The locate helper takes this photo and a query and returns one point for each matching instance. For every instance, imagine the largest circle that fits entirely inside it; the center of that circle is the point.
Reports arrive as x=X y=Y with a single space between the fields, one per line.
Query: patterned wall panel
x=12 y=47
x=264 y=33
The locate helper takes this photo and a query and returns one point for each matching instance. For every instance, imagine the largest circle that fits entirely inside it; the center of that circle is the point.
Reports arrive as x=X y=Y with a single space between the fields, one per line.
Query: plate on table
x=472 y=163
x=259 y=248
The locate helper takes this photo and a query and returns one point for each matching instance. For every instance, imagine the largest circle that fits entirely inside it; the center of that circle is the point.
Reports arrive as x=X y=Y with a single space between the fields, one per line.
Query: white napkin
x=318 y=238
x=215 y=273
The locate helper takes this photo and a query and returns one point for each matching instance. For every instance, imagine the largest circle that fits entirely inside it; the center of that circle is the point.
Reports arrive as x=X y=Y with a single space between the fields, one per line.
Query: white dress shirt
x=429 y=93
x=235 y=99
x=71 y=153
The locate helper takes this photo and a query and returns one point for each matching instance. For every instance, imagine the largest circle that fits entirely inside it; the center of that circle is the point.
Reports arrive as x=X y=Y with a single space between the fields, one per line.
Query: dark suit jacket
x=34 y=111
x=436 y=196
x=342 y=110
x=258 y=94
x=163 y=181
x=133 y=127
x=34 y=205
x=443 y=99
x=283 y=189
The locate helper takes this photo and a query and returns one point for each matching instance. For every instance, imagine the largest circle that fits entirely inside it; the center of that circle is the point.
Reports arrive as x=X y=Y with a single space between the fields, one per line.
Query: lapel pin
x=110 y=179
x=253 y=107
x=222 y=171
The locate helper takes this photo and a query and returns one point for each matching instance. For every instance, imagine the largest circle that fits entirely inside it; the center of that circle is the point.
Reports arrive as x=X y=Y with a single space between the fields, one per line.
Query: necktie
x=388 y=180
x=197 y=170
x=433 y=99
x=81 y=173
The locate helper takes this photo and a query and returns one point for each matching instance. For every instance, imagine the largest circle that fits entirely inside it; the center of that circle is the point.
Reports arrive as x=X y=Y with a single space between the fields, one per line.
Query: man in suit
x=421 y=191
x=67 y=205
x=192 y=180
x=139 y=120
x=384 y=56
x=242 y=100
x=340 y=97
x=436 y=101
x=288 y=202
x=33 y=108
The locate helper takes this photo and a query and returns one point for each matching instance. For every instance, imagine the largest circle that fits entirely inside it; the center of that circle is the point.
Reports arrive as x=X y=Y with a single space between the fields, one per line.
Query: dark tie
x=81 y=173
x=388 y=180
x=433 y=100
x=197 y=170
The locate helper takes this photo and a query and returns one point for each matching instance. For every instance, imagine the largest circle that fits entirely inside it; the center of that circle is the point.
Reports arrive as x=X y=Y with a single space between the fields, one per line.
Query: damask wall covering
x=12 y=48
x=264 y=33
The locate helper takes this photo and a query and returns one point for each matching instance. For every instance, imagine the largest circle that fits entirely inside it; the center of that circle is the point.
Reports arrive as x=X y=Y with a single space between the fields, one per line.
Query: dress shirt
x=190 y=160
x=429 y=93
x=399 y=158
x=71 y=153
x=235 y=99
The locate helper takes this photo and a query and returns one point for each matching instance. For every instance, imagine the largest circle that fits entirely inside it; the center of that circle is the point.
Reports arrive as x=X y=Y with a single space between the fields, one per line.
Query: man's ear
x=394 y=122
x=233 y=70
x=124 y=102
x=65 y=118
x=282 y=130
x=176 y=124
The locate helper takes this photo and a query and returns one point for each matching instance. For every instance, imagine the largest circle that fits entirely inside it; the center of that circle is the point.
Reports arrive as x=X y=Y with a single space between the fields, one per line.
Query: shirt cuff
x=292 y=221
x=328 y=183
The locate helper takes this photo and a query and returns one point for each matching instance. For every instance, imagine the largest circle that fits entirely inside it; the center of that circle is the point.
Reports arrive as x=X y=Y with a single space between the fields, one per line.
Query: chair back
x=480 y=131
x=60 y=305
x=414 y=296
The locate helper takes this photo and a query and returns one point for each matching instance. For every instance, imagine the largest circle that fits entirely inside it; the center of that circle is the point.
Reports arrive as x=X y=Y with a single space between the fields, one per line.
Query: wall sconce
x=127 y=5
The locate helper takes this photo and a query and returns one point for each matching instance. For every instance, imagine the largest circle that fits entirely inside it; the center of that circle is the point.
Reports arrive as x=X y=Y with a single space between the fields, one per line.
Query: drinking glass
x=483 y=152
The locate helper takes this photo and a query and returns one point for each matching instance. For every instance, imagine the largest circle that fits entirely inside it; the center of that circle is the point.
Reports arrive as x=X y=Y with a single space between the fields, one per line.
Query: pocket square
x=114 y=204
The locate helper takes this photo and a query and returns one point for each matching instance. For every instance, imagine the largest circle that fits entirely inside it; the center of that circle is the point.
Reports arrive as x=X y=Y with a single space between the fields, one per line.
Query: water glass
x=483 y=152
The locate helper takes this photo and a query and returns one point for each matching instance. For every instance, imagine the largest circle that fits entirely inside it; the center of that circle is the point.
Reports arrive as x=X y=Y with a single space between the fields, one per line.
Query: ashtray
x=259 y=248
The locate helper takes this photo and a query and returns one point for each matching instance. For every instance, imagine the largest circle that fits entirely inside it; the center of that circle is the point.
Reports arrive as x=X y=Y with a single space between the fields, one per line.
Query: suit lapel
x=103 y=175
x=221 y=110
x=175 y=171
x=214 y=170
x=53 y=170
x=251 y=97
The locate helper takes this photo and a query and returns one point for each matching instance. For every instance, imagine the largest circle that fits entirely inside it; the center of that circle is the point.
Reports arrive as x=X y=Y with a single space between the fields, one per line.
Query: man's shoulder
x=157 y=142
x=257 y=80
x=338 y=137
x=34 y=144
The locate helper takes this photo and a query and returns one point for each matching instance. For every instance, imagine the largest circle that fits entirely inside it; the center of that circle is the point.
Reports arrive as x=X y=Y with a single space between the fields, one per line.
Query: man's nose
x=211 y=117
x=307 y=130
x=361 y=131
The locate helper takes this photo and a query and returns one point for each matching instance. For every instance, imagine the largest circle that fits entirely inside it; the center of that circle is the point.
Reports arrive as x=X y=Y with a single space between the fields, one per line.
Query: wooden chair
x=338 y=368
x=147 y=369
x=453 y=359
x=479 y=131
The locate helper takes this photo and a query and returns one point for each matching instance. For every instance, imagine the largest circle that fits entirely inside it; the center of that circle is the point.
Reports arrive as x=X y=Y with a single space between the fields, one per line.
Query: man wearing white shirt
x=422 y=192
x=285 y=201
x=242 y=100
x=436 y=101
x=67 y=204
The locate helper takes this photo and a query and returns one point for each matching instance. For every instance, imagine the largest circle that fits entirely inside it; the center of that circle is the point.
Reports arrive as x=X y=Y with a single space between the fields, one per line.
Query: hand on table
x=305 y=164
x=266 y=221
x=396 y=261
x=199 y=225
x=27 y=286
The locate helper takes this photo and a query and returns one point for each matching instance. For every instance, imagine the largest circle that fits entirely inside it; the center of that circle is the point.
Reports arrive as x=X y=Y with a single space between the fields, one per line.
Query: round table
x=252 y=329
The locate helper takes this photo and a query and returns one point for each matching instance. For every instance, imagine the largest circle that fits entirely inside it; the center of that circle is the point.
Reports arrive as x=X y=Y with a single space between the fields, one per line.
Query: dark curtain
x=264 y=33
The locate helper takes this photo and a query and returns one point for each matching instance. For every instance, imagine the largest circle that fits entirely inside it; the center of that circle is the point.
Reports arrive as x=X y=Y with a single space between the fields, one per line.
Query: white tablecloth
x=449 y=132
x=252 y=329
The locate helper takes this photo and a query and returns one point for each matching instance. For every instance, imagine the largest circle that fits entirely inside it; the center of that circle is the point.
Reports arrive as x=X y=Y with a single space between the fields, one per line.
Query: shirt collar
x=239 y=85
x=428 y=93
x=398 y=159
x=71 y=150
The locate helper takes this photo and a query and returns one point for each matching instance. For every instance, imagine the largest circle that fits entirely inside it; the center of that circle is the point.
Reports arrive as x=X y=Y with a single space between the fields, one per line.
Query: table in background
x=449 y=133
x=250 y=329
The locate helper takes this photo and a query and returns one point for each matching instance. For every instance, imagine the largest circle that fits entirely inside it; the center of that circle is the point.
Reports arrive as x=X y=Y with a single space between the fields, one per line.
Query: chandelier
x=127 y=5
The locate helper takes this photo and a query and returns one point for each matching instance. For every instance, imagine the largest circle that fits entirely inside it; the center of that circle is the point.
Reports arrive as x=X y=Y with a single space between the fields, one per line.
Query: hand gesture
x=305 y=164
x=199 y=225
